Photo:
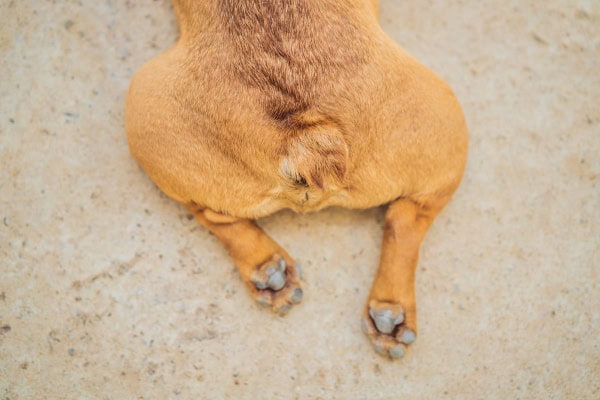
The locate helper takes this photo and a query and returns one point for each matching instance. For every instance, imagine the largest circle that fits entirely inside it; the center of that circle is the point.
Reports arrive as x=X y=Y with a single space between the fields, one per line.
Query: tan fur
x=264 y=105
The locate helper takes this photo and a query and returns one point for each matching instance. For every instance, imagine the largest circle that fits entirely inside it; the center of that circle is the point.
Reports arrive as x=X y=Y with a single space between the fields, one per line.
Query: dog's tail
x=316 y=156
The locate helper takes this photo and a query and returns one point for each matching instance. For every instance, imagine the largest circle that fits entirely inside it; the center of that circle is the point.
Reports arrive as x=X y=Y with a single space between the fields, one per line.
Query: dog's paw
x=387 y=327
x=276 y=284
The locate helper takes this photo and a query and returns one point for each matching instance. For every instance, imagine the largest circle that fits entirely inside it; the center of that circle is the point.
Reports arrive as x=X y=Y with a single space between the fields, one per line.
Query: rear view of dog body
x=265 y=105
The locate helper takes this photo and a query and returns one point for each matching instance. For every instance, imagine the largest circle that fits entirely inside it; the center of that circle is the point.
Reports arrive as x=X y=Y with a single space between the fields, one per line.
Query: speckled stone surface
x=109 y=290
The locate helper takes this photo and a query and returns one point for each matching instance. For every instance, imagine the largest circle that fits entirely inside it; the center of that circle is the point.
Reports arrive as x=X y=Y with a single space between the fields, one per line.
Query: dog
x=263 y=105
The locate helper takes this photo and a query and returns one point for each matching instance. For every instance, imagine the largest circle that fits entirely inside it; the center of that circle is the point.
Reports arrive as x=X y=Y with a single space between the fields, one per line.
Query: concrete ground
x=108 y=290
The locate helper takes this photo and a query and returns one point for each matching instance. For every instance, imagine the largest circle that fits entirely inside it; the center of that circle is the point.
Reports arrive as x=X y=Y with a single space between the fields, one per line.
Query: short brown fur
x=264 y=105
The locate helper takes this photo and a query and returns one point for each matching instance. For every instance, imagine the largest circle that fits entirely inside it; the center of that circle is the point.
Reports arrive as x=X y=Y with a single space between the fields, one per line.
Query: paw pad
x=386 y=326
x=385 y=321
x=276 y=283
x=273 y=277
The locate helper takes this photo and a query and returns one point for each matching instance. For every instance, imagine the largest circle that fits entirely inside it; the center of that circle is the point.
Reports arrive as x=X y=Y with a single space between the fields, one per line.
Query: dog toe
x=397 y=352
x=408 y=336
x=297 y=296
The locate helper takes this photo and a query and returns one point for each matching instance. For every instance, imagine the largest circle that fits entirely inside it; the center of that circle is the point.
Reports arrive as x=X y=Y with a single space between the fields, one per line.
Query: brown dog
x=302 y=104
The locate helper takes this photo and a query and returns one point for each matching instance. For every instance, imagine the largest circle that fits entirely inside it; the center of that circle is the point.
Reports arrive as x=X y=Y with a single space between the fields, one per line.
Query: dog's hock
x=316 y=158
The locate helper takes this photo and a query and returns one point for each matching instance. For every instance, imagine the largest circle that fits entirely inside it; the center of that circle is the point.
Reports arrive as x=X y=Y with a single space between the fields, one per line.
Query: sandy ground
x=109 y=291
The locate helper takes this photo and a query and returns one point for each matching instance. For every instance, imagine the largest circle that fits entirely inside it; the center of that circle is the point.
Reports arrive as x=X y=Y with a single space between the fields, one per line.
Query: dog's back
x=267 y=105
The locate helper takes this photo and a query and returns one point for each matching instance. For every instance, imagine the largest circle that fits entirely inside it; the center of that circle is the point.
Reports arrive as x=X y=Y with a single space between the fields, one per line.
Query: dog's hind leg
x=271 y=275
x=390 y=317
